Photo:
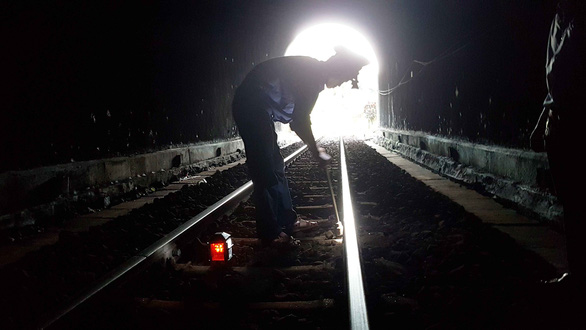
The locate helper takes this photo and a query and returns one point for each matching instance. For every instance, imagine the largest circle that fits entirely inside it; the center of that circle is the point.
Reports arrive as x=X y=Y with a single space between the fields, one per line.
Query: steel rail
x=157 y=251
x=356 y=299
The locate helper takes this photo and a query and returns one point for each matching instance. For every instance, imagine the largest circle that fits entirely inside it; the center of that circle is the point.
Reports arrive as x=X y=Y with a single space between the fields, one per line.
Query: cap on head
x=345 y=63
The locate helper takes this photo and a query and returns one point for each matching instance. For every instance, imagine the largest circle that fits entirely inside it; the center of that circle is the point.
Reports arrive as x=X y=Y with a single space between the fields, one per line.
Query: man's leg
x=256 y=130
x=286 y=215
x=267 y=227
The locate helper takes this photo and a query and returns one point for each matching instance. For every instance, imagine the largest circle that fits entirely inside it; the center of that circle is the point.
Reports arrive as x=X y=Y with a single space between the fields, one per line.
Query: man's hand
x=322 y=157
x=536 y=141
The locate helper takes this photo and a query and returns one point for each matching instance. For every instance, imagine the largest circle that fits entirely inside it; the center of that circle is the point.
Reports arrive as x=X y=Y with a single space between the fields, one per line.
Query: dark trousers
x=271 y=196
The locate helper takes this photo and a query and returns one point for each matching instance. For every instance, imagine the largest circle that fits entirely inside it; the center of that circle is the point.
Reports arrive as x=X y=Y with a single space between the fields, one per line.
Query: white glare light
x=340 y=110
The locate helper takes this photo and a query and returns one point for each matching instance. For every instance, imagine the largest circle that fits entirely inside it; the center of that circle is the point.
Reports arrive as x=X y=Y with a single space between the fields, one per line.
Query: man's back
x=286 y=87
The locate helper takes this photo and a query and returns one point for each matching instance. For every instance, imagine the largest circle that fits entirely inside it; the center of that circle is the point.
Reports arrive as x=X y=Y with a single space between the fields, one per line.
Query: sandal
x=304 y=225
x=284 y=241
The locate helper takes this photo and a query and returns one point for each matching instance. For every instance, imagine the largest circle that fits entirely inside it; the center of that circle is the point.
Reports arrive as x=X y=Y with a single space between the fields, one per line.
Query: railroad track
x=173 y=283
x=427 y=263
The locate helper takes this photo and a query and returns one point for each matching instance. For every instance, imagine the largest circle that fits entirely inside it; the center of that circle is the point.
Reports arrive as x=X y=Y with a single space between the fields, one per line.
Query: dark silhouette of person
x=283 y=89
x=560 y=124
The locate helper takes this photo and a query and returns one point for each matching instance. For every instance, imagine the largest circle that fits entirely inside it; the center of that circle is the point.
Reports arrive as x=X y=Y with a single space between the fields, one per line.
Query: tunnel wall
x=92 y=80
x=469 y=70
x=95 y=80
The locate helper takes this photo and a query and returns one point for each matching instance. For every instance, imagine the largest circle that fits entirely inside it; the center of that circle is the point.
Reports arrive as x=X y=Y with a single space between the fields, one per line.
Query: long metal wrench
x=339 y=223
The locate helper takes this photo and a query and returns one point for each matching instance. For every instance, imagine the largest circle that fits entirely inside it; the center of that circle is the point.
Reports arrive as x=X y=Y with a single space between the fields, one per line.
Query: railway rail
x=259 y=286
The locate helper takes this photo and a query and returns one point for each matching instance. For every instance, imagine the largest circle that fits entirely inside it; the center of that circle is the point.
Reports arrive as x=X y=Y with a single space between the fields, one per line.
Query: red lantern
x=221 y=247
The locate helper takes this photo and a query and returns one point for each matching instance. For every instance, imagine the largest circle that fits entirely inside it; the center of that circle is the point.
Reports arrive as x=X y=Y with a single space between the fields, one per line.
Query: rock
x=106 y=201
x=390 y=266
x=399 y=303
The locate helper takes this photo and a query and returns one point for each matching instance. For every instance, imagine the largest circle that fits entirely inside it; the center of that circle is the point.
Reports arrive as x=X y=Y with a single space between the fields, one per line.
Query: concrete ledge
x=518 y=165
x=106 y=177
x=516 y=176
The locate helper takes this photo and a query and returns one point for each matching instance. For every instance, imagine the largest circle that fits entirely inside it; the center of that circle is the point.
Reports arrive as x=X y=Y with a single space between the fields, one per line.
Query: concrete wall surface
x=22 y=189
x=520 y=177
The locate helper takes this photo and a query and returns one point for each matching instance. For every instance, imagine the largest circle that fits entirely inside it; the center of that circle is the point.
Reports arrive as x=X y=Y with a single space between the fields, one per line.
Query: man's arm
x=305 y=95
x=536 y=139
x=301 y=124
x=537 y=135
x=303 y=130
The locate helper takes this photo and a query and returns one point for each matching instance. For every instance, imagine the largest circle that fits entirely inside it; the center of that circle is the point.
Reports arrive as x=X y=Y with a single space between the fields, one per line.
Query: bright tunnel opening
x=341 y=111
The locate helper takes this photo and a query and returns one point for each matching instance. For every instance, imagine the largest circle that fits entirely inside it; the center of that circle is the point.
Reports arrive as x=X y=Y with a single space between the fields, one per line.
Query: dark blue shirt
x=285 y=87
